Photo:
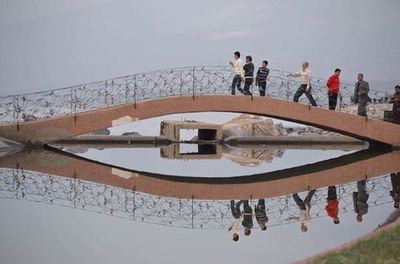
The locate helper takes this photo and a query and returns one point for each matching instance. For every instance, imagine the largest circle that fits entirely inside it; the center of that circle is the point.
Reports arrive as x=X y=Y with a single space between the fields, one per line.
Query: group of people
x=360 y=203
x=246 y=217
x=245 y=73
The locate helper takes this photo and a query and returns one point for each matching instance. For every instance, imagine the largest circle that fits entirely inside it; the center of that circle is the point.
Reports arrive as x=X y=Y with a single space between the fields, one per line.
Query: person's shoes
x=240 y=90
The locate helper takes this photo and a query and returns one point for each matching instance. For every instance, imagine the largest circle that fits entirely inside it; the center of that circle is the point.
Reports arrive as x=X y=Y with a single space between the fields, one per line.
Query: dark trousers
x=332 y=100
x=235 y=208
x=332 y=195
x=247 y=83
x=362 y=105
x=261 y=88
x=248 y=215
x=236 y=82
x=302 y=204
x=300 y=91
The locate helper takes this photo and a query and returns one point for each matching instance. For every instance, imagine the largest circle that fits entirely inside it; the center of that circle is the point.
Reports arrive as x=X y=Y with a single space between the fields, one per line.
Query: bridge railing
x=186 y=81
x=185 y=213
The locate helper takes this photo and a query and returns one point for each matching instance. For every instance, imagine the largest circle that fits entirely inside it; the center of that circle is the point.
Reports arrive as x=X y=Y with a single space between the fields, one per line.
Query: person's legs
x=247 y=83
x=261 y=87
x=332 y=99
x=261 y=204
x=235 y=209
x=362 y=108
x=310 y=194
x=299 y=201
x=235 y=84
x=298 y=93
x=332 y=195
x=310 y=97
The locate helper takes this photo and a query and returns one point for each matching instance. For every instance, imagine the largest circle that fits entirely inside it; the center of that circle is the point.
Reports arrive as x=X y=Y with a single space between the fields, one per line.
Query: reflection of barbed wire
x=186 y=213
x=187 y=81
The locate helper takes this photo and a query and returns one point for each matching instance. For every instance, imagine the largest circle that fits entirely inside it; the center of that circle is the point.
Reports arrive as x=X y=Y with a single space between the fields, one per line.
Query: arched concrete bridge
x=40 y=118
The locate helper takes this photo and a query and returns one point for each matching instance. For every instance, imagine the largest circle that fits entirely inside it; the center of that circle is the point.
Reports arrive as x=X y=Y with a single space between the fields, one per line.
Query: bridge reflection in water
x=24 y=177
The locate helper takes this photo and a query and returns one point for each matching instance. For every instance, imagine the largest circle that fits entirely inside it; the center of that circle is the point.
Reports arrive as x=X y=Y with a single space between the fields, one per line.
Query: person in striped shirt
x=261 y=77
x=261 y=214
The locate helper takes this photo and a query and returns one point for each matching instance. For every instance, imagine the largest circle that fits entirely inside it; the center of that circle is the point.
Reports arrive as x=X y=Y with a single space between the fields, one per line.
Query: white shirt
x=237 y=67
x=305 y=76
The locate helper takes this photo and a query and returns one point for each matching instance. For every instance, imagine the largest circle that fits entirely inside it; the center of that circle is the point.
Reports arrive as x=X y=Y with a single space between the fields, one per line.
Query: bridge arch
x=48 y=130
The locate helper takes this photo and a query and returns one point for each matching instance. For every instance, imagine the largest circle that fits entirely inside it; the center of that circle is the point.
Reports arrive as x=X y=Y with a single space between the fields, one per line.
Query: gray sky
x=49 y=44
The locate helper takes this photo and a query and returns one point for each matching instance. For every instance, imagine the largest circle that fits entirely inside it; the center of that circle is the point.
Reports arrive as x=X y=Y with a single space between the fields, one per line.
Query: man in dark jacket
x=395 y=192
x=360 y=199
x=361 y=94
x=247 y=222
x=248 y=69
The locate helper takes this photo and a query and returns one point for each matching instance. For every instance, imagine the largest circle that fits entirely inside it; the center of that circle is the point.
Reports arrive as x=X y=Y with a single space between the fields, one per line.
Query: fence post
x=288 y=89
x=134 y=90
x=75 y=102
x=194 y=81
x=126 y=90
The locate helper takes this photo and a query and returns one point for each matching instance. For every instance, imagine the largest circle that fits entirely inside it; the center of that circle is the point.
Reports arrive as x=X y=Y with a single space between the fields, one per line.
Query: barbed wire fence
x=184 y=213
x=184 y=81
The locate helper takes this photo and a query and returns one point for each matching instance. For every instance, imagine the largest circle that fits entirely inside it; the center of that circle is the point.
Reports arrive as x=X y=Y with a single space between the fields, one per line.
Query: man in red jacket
x=332 y=207
x=333 y=89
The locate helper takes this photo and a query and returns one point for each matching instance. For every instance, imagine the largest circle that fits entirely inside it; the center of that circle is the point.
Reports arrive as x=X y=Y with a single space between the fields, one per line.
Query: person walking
x=305 y=86
x=361 y=95
x=248 y=69
x=395 y=192
x=395 y=100
x=360 y=198
x=261 y=214
x=238 y=216
x=237 y=70
x=332 y=207
x=304 y=207
x=247 y=222
x=261 y=77
x=332 y=86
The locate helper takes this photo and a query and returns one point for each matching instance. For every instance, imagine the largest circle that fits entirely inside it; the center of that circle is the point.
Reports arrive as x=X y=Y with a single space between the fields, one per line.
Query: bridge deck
x=50 y=130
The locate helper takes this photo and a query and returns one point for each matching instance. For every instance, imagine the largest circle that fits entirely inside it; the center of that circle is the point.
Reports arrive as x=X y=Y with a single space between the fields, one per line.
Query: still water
x=133 y=205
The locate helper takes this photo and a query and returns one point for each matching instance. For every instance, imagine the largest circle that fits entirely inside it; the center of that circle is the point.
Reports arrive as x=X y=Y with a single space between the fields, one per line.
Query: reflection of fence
x=187 y=81
x=186 y=213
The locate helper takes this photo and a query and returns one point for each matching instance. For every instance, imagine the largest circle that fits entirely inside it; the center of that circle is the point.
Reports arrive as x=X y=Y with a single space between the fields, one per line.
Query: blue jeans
x=237 y=80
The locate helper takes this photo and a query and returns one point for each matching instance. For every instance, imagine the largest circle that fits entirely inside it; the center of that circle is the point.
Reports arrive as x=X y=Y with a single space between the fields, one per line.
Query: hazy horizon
x=47 y=45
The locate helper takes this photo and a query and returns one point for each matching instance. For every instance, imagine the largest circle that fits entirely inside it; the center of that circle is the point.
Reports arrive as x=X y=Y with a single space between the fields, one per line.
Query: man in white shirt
x=238 y=71
x=304 y=206
x=305 y=86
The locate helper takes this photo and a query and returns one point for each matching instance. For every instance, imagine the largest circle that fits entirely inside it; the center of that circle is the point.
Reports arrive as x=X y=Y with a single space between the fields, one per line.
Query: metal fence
x=186 y=81
x=184 y=213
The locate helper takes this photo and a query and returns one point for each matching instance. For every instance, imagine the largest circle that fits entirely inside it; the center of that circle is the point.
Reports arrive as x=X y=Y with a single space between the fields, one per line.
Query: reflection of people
x=395 y=99
x=237 y=214
x=261 y=77
x=360 y=199
x=248 y=69
x=304 y=207
x=395 y=192
x=237 y=70
x=247 y=222
x=332 y=207
x=361 y=94
x=305 y=87
x=261 y=214
x=333 y=89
